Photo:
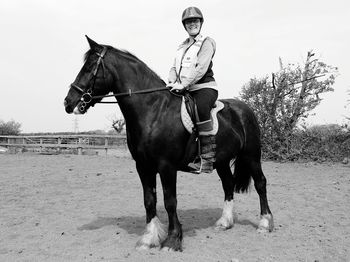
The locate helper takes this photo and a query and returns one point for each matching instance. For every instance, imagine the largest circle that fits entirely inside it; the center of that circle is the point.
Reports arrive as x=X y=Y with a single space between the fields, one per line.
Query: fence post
x=80 y=150
x=106 y=144
x=41 y=142
x=59 y=140
x=125 y=142
x=23 y=146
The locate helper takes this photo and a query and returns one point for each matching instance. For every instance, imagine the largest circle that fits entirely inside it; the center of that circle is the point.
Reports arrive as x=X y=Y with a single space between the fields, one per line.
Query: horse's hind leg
x=253 y=166
x=155 y=232
x=226 y=220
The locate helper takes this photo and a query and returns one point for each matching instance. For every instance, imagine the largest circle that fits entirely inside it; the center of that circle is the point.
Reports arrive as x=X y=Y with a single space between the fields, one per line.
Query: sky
x=42 y=47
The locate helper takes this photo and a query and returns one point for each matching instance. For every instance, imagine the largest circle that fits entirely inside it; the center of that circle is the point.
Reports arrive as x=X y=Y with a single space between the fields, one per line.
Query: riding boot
x=207 y=149
x=204 y=164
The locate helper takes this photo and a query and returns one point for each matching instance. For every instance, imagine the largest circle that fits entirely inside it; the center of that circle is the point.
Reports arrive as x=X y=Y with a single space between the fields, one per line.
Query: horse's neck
x=139 y=109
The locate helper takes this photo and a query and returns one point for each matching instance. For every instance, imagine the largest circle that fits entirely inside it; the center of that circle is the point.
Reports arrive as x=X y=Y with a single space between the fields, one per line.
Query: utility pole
x=76 y=125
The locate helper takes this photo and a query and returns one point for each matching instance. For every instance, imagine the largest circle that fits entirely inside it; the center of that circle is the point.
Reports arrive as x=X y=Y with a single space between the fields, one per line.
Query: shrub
x=10 y=128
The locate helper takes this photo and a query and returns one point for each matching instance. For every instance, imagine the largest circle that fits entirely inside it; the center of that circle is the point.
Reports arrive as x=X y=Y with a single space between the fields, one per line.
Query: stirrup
x=203 y=166
x=196 y=166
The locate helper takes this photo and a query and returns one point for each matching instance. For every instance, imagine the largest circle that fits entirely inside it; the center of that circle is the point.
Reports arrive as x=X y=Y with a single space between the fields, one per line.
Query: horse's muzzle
x=67 y=106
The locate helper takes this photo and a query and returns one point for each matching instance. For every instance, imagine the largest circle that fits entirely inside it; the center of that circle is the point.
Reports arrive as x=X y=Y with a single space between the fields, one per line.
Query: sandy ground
x=90 y=208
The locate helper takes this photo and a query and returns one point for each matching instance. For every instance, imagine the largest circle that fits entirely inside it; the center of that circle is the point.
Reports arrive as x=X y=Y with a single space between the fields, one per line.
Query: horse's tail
x=241 y=176
x=248 y=160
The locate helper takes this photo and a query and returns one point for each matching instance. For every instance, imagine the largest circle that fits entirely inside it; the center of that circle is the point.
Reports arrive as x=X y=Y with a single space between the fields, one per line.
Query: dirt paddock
x=90 y=208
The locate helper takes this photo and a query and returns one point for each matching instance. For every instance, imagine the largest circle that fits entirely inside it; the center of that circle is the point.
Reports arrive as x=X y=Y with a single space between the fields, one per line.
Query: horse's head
x=92 y=82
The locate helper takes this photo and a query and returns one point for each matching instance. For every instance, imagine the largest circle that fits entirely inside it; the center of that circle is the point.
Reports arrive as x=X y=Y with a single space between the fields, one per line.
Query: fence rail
x=78 y=142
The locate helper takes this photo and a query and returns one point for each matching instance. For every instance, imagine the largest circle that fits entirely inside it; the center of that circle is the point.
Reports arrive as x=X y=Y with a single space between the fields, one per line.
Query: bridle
x=87 y=97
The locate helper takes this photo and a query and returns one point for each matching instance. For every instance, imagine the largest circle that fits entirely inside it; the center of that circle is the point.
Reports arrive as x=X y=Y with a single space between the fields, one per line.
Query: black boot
x=207 y=157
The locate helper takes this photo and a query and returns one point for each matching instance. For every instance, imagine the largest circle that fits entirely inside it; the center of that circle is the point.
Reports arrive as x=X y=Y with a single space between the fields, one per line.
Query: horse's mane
x=147 y=73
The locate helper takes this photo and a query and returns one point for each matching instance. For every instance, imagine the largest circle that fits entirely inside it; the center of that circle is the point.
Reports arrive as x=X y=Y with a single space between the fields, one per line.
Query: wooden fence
x=62 y=142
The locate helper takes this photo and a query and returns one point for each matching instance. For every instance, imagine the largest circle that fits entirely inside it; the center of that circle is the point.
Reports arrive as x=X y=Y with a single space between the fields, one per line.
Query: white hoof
x=265 y=224
x=223 y=223
x=226 y=220
x=153 y=236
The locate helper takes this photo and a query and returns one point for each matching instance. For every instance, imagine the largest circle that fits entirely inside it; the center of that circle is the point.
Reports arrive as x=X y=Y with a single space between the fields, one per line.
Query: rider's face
x=193 y=26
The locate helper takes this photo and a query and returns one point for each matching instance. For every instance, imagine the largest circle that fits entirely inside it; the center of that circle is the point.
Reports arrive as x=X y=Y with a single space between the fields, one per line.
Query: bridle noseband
x=87 y=97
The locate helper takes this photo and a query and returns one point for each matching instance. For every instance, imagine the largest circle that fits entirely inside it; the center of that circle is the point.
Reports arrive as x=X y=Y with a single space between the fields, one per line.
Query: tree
x=118 y=125
x=10 y=128
x=282 y=102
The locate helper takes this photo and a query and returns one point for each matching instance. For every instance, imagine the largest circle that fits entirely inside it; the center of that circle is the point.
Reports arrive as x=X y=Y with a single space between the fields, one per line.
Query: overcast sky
x=42 y=46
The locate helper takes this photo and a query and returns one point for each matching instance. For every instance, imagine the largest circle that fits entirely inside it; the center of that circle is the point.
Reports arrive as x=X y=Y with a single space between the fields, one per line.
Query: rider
x=192 y=71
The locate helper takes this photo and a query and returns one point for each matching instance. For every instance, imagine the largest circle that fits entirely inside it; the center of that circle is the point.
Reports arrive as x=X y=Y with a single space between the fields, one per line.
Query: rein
x=87 y=97
x=129 y=93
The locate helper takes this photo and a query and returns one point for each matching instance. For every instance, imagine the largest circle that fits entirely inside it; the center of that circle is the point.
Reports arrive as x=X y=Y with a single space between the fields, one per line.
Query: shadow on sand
x=191 y=220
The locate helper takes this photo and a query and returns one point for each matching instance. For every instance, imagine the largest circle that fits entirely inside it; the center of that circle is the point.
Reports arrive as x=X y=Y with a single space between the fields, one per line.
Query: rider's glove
x=175 y=87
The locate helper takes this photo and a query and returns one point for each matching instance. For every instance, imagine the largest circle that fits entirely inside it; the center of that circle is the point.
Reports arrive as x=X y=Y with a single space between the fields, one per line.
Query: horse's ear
x=92 y=43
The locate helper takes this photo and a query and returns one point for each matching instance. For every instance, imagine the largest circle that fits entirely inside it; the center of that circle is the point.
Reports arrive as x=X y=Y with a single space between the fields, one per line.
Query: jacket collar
x=190 y=40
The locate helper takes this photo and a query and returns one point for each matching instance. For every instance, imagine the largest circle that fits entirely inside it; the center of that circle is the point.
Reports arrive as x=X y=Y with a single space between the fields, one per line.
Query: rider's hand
x=175 y=87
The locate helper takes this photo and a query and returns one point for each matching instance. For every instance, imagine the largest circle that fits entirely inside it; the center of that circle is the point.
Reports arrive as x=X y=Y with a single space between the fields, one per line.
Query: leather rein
x=87 y=96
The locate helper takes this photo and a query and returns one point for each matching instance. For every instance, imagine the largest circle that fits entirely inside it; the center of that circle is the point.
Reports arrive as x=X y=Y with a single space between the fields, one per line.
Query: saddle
x=189 y=114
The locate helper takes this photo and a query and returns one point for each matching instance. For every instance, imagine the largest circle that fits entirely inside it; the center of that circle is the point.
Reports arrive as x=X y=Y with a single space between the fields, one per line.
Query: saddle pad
x=187 y=121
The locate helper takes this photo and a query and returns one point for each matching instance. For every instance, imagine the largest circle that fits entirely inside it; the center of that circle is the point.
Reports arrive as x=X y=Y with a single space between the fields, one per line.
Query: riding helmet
x=192 y=12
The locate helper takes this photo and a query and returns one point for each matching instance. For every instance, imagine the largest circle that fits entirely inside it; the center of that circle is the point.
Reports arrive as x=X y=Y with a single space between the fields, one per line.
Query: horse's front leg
x=155 y=232
x=168 y=177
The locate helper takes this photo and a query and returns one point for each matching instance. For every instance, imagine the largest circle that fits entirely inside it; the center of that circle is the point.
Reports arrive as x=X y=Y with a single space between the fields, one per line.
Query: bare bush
x=282 y=102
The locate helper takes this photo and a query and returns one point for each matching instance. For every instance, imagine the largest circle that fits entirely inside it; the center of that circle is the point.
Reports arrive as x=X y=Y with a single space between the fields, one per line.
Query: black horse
x=159 y=143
